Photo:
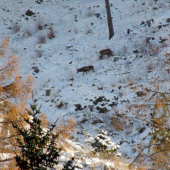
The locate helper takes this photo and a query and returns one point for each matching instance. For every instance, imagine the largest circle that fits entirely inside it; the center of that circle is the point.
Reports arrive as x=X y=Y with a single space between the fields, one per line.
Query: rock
x=97 y=15
x=155 y=8
x=29 y=13
x=91 y=107
x=116 y=59
x=102 y=110
x=162 y=39
x=83 y=121
x=78 y=107
x=48 y=92
x=36 y=69
x=68 y=47
x=97 y=121
x=159 y=27
x=136 y=51
x=141 y=130
x=116 y=97
x=113 y=104
x=148 y=39
x=100 y=88
x=140 y=93
x=168 y=20
x=112 y=91
x=99 y=99
x=128 y=31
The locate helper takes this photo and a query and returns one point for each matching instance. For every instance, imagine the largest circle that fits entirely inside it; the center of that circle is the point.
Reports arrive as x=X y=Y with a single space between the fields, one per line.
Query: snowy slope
x=79 y=36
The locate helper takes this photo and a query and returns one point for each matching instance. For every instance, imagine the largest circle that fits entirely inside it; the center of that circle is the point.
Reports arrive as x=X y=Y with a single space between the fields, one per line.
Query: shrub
x=39 y=53
x=51 y=33
x=69 y=165
x=27 y=33
x=102 y=143
x=41 y=39
x=39 y=24
x=62 y=104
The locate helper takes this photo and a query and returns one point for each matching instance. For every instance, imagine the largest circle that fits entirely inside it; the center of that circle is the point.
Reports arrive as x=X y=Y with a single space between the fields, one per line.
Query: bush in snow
x=101 y=143
x=69 y=165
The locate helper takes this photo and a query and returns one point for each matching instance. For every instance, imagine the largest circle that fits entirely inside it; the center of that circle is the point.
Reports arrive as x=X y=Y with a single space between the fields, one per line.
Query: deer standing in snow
x=105 y=52
x=85 y=69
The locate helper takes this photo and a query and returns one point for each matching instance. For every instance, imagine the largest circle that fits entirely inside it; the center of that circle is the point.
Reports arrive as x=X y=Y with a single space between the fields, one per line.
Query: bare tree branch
x=9 y=159
x=146 y=147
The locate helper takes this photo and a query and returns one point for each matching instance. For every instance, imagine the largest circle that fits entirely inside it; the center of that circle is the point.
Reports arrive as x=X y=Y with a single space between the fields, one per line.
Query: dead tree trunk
x=109 y=20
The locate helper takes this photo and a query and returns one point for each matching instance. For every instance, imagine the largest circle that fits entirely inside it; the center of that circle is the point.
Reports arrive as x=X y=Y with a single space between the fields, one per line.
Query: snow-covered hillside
x=117 y=85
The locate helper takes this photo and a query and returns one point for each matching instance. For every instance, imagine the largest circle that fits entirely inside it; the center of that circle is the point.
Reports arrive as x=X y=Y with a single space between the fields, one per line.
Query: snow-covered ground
x=81 y=31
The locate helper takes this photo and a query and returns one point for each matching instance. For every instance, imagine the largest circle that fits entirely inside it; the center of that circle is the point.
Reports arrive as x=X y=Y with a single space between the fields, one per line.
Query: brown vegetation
x=159 y=145
x=14 y=91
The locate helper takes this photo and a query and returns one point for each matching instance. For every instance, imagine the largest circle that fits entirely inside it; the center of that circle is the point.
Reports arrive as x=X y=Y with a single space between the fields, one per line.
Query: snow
x=77 y=44
x=75 y=145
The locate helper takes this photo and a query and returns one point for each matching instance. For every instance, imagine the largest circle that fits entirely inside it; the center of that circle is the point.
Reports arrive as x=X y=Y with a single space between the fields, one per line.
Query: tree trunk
x=109 y=20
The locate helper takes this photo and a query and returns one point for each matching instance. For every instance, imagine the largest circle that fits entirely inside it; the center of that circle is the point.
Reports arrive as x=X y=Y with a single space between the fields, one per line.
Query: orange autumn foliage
x=14 y=92
x=64 y=128
x=44 y=121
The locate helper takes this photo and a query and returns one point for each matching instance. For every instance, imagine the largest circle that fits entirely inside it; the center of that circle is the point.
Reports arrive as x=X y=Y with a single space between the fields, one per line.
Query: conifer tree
x=37 y=145
x=38 y=150
x=102 y=143
x=69 y=165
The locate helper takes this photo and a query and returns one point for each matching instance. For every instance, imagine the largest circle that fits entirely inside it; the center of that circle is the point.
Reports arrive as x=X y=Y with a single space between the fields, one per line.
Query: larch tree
x=159 y=144
x=14 y=92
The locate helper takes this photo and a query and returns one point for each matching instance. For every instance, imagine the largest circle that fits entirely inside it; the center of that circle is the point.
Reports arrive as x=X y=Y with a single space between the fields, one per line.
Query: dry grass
x=88 y=155
x=89 y=12
x=88 y=31
x=41 y=39
x=51 y=33
x=27 y=33
x=15 y=28
x=39 y=24
x=39 y=53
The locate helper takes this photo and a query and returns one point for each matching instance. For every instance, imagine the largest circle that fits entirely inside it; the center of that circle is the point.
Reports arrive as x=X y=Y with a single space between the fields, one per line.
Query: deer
x=105 y=52
x=85 y=69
